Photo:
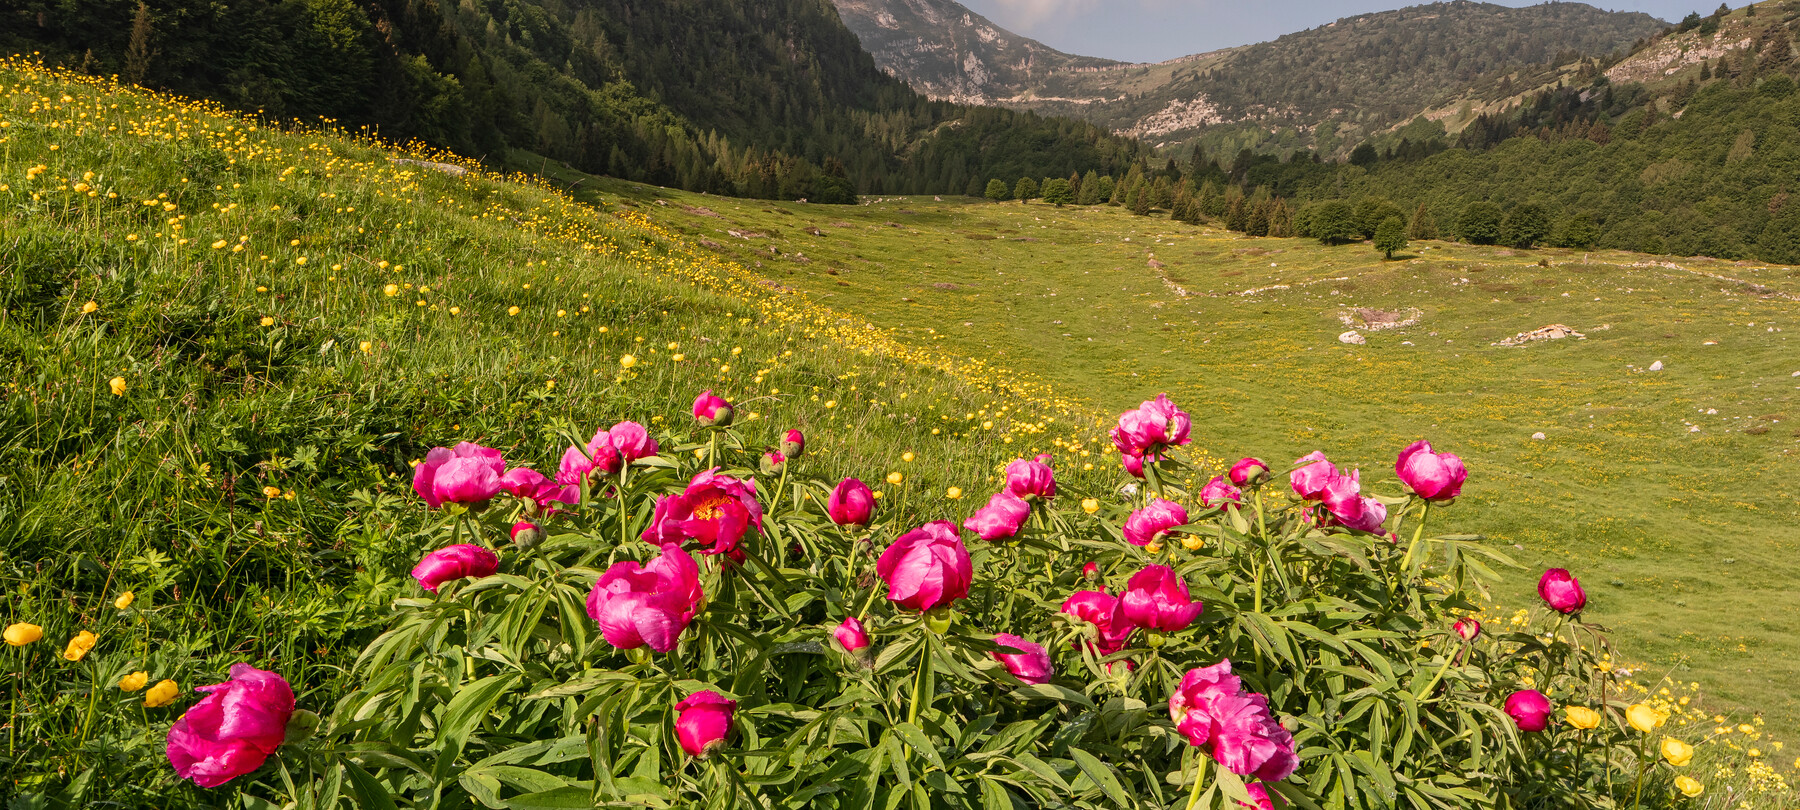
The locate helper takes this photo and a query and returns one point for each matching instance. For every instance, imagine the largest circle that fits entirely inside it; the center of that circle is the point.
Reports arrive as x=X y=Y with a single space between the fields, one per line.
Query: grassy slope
x=388 y=291
x=1685 y=538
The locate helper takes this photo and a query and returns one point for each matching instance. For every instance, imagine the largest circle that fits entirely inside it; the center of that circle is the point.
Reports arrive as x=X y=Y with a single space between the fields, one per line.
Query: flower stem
x=1199 y=774
x=918 y=693
x=1418 y=534
x=624 y=527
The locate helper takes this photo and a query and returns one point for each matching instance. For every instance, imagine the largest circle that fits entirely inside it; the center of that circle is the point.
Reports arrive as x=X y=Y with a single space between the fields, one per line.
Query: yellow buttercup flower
x=627 y=361
x=1677 y=752
x=895 y=477
x=89 y=307
x=79 y=646
x=907 y=456
x=20 y=634
x=1090 y=505
x=1582 y=717
x=366 y=347
x=512 y=310
x=125 y=599
x=271 y=492
x=268 y=321
x=118 y=386
x=1644 y=718
x=134 y=681
x=162 y=694
x=1689 y=786
x=391 y=290
x=953 y=493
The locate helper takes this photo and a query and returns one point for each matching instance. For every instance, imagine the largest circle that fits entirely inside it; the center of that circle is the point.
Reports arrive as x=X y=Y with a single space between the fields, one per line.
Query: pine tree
x=1236 y=218
x=1141 y=198
x=1075 y=179
x=1108 y=188
x=1423 y=226
x=1090 y=190
x=1162 y=194
x=997 y=190
x=1258 y=222
x=1281 y=220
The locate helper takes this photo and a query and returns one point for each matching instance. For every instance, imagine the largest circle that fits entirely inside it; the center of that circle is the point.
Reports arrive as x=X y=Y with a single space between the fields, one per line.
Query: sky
x=1154 y=30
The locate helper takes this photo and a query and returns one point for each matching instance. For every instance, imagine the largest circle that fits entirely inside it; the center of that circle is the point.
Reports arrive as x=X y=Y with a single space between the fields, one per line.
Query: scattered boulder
x=1539 y=436
x=1555 y=331
x=1656 y=366
x=1353 y=338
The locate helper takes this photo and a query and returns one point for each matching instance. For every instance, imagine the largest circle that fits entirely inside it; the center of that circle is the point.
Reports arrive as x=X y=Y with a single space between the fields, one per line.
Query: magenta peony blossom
x=793 y=444
x=1030 y=664
x=522 y=482
x=1155 y=425
x=1218 y=493
x=1371 y=514
x=926 y=567
x=1152 y=522
x=712 y=411
x=466 y=473
x=1249 y=471
x=703 y=721
x=1259 y=796
x=1105 y=612
x=233 y=729
x=1191 y=705
x=1031 y=479
x=1309 y=481
x=850 y=634
x=631 y=441
x=1211 y=709
x=1529 y=709
x=714 y=510
x=851 y=503
x=1432 y=476
x=1156 y=599
x=647 y=605
x=1562 y=591
x=455 y=562
x=1467 y=628
x=1003 y=516
x=1134 y=464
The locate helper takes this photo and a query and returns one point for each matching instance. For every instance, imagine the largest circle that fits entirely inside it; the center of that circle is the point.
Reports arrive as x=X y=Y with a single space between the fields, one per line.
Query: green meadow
x=1673 y=494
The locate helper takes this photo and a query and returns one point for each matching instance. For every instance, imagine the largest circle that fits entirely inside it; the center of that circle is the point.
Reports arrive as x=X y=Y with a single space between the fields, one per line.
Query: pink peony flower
x=647 y=605
x=1529 y=709
x=703 y=721
x=631 y=441
x=1153 y=426
x=1003 y=516
x=1562 y=591
x=850 y=634
x=1156 y=599
x=851 y=503
x=926 y=567
x=714 y=510
x=1249 y=471
x=1191 y=705
x=793 y=444
x=466 y=473
x=233 y=729
x=1105 y=613
x=1153 y=522
x=712 y=411
x=1134 y=463
x=1218 y=493
x=1467 y=628
x=1371 y=515
x=1342 y=496
x=455 y=562
x=1211 y=709
x=1259 y=796
x=522 y=482
x=1030 y=664
x=1432 y=476
x=1309 y=481
x=1031 y=479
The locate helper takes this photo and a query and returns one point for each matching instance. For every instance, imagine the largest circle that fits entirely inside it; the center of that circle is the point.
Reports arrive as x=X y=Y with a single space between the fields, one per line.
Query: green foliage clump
x=997 y=190
x=1390 y=237
x=1058 y=192
x=1026 y=190
x=1480 y=223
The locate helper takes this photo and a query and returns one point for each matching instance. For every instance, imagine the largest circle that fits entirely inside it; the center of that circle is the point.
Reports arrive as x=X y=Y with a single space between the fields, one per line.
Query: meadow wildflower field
x=276 y=398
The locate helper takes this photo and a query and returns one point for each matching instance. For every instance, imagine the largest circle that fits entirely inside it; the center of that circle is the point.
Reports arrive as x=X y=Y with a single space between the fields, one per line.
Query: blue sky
x=1154 y=30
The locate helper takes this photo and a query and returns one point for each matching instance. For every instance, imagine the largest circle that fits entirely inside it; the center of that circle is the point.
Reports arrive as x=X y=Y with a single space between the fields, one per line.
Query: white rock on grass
x=1656 y=366
x=1352 y=337
x=1539 y=436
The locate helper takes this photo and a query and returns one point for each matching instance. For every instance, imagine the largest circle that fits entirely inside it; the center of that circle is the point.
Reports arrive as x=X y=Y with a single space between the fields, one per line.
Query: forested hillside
x=763 y=98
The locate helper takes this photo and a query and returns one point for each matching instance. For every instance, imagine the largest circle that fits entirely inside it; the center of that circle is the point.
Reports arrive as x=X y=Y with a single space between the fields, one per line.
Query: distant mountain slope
x=948 y=52
x=1356 y=76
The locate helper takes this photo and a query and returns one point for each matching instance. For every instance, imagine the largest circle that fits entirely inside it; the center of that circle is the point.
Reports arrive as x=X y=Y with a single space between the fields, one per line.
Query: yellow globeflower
x=1582 y=717
x=1689 y=786
x=125 y=599
x=627 y=361
x=1090 y=505
x=1192 y=542
x=366 y=347
x=1677 y=752
x=895 y=477
x=907 y=456
x=512 y=310
x=1153 y=546
x=89 y=307
x=162 y=694
x=134 y=681
x=268 y=321
x=953 y=493
x=118 y=386
x=271 y=492
x=219 y=245
x=79 y=646
x=1644 y=718
x=20 y=634
x=391 y=290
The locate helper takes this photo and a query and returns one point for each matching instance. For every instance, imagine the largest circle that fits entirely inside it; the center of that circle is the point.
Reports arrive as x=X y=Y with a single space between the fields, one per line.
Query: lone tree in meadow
x=1058 y=193
x=997 y=190
x=1390 y=236
x=1026 y=190
x=1480 y=223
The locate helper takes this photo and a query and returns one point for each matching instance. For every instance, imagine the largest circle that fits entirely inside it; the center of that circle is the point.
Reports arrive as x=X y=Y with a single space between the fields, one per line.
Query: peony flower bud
x=452 y=563
x=850 y=503
x=1249 y=471
x=702 y=722
x=712 y=411
x=233 y=729
x=1218 y=493
x=1529 y=709
x=1562 y=591
x=793 y=444
x=301 y=726
x=1467 y=628
x=1432 y=476
x=526 y=535
x=927 y=567
x=1090 y=571
x=1030 y=664
x=850 y=635
x=773 y=462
